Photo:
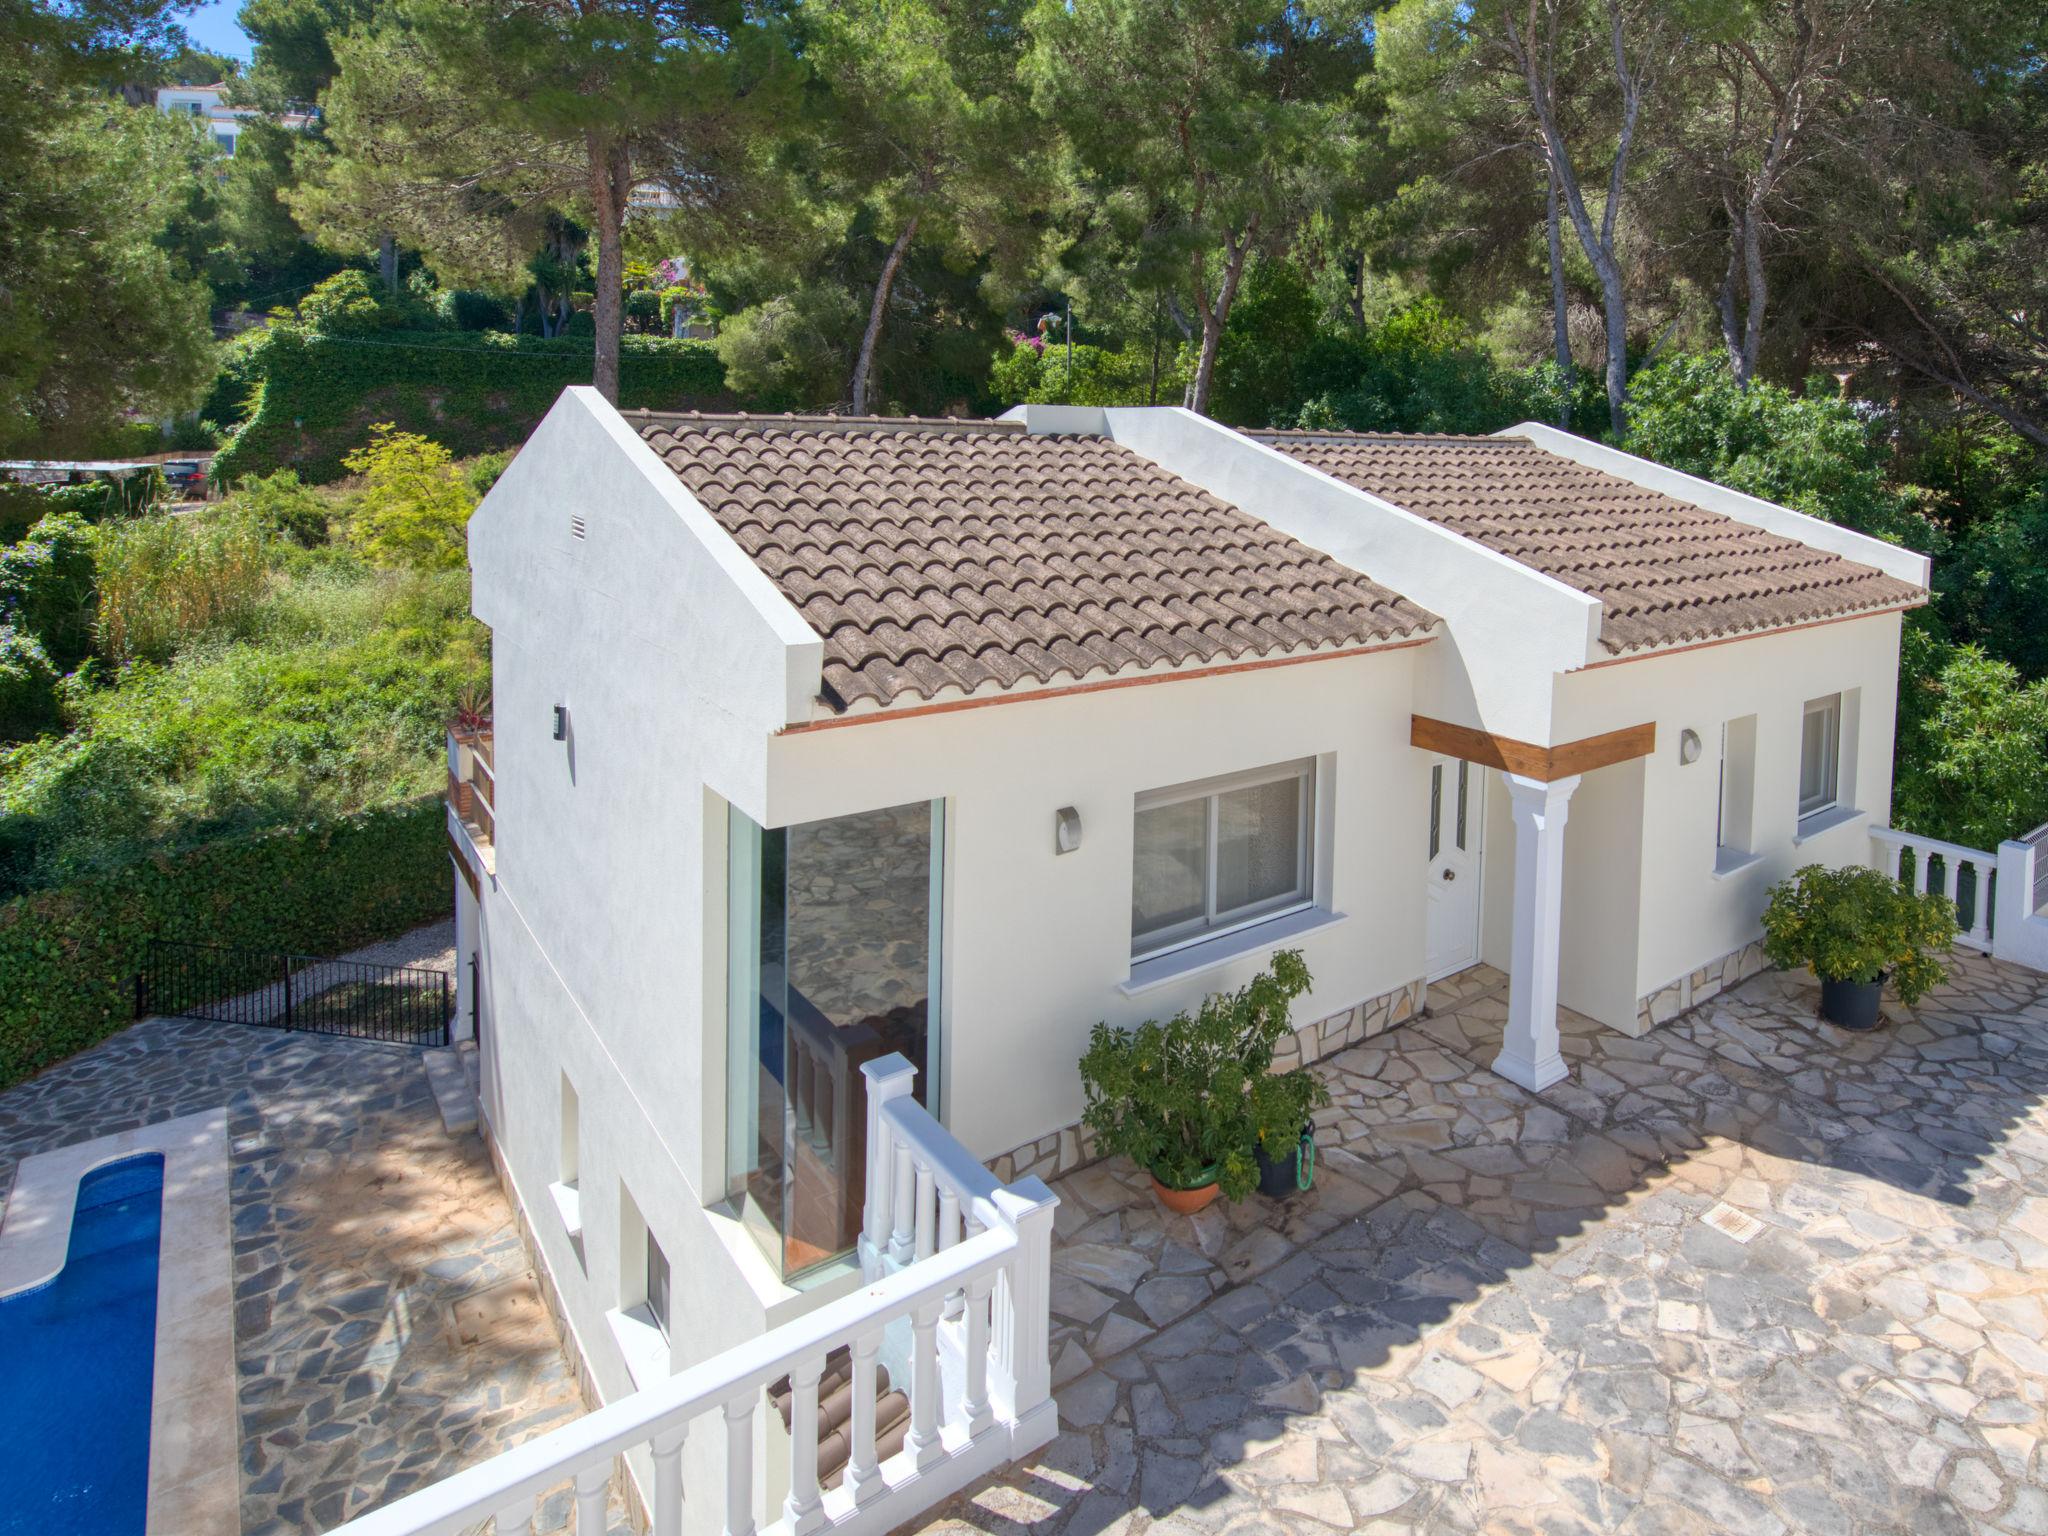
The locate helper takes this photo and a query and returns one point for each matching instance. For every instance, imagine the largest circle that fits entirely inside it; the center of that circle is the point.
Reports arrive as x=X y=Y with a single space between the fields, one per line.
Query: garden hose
x=1305 y=1162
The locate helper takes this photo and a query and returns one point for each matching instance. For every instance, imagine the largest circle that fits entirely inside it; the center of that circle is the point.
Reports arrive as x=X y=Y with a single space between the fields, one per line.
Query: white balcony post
x=1022 y=1380
x=863 y=1470
x=516 y=1518
x=903 y=1214
x=668 y=1483
x=888 y=1078
x=974 y=1407
x=739 y=1466
x=803 y=1511
x=1529 y=1054
x=593 y=1484
x=923 y=1442
x=2016 y=933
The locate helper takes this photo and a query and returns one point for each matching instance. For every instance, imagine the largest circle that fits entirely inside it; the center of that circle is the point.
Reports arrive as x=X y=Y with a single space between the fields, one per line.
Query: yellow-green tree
x=415 y=505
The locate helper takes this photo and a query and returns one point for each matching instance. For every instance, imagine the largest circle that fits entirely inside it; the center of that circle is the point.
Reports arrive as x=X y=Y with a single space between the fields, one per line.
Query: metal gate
x=398 y=1004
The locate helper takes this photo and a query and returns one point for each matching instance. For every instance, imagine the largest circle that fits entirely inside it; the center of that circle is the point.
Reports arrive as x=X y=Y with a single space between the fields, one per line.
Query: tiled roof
x=936 y=557
x=1668 y=572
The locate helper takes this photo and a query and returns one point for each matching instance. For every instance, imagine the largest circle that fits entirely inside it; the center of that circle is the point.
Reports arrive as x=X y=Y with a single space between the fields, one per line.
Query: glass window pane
x=1464 y=776
x=833 y=925
x=1170 y=874
x=657 y=1284
x=1436 y=809
x=1817 y=759
x=1258 y=845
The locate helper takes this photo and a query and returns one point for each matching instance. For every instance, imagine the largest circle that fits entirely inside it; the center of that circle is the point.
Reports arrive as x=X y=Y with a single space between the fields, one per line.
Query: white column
x=1529 y=1055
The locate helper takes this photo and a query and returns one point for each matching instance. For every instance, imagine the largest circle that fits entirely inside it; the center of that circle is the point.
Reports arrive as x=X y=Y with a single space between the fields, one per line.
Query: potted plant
x=1855 y=927
x=1190 y=1099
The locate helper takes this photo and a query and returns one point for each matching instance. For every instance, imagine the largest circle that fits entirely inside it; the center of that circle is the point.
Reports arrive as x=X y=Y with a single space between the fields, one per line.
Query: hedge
x=319 y=394
x=69 y=955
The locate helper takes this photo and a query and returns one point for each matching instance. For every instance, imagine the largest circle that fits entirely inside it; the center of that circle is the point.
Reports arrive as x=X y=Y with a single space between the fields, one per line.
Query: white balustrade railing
x=988 y=1286
x=1938 y=866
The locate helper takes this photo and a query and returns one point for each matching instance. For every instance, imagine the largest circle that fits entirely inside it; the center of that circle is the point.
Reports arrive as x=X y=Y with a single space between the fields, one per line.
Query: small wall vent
x=578 y=529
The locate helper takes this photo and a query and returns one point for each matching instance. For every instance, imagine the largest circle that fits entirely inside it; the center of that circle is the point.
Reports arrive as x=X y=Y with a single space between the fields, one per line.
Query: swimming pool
x=77 y=1364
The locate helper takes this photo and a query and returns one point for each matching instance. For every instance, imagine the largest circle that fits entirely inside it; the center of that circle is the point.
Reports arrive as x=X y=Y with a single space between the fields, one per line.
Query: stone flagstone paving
x=388 y=1327
x=1749 y=1273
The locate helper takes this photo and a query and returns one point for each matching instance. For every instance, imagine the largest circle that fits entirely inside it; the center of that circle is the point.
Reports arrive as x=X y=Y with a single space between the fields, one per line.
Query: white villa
x=209 y=104
x=845 y=766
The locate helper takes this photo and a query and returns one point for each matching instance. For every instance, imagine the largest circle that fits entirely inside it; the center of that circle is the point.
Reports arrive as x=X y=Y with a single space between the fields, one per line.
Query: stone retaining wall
x=1697 y=986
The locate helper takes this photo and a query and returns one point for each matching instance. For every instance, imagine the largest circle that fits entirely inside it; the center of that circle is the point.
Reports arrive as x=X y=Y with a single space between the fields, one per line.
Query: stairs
x=835 y=1415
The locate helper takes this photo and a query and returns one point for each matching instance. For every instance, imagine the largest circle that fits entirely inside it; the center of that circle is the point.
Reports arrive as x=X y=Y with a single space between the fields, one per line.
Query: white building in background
x=819 y=740
x=209 y=104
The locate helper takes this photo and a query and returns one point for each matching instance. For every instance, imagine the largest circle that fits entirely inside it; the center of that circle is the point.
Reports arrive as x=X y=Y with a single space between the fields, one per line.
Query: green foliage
x=28 y=686
x=71 y=953
x=281 y=504
x=467 y=309
x=1855 y=924
x=47 y=587
x=1817 y=452
x=165 y=580
x=415 y=505
x=482 y=472
x=470 y=392
x=1189 y=1099
x=1972 y=746
x=1099 y=376
x=1991 y=587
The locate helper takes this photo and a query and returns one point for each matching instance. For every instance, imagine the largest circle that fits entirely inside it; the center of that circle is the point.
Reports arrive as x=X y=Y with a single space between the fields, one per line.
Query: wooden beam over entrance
x=1525 y=757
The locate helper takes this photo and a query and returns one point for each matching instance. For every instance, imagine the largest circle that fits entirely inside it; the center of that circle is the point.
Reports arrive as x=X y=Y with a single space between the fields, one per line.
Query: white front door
x=1457 y=803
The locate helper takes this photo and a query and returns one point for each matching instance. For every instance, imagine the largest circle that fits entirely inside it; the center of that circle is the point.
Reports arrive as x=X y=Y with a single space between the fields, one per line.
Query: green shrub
x=47 y=587
x=163 y=580
x=482 y=472
x=415 y=505
x=28 y=686
x=470 y=392
x=1856 y=924
x=468 y=309
x=281 y=504
x=1099 y=376
x=1972 y=745
x=70 y=954
x=1190 y=1099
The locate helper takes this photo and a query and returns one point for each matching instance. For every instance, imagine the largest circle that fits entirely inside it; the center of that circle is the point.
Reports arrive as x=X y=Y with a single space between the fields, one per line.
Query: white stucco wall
x=1037 y=943
x=676 y=660
x=1688 y=916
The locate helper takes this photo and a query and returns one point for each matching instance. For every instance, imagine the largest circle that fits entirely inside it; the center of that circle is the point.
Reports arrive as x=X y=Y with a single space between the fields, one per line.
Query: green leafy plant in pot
x=1856 y=927
x=1189 y=1099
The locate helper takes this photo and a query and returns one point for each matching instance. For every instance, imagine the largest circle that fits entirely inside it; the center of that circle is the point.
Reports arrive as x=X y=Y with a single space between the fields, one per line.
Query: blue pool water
x=77 y=1358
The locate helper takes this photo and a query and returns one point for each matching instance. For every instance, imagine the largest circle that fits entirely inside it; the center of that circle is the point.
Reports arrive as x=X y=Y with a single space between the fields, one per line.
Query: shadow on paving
x=1530 y=1325
x=388 y=1328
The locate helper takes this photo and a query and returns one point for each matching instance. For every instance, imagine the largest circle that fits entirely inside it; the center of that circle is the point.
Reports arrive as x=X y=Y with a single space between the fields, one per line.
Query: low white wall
x=1036 y=943
x=1689 y=916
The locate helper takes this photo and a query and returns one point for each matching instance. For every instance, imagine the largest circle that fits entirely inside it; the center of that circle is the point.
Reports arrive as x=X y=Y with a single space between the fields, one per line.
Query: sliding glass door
x=833 y=927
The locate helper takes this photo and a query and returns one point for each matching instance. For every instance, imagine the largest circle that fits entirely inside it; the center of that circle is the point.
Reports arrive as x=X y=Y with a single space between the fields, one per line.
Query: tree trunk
x=864 y=366
x=1614 y=310
x=1560 y=312
x=1217 y=313
x=611 y=176
x=387 y=264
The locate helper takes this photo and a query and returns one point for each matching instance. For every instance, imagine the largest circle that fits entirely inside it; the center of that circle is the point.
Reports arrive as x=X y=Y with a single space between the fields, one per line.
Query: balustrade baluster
x=902 y=1215
x=516 y=1518
x=802 y=1510
x=592 y=1485
x=923 y=1440
x=974 y=1408
x=926 y=1209
x=739 y=1465
x=668 y=1483
x=949 y=1234
x=863 y=1471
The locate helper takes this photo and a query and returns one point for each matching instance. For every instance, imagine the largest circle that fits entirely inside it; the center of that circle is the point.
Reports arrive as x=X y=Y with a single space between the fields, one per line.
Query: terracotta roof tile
x=1666 y=571
x=940 y=556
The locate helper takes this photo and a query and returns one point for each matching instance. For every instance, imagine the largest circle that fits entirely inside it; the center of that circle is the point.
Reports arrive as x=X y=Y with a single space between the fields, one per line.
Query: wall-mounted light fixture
x=1066 y=829
x=561 y=722
x=1688 y=745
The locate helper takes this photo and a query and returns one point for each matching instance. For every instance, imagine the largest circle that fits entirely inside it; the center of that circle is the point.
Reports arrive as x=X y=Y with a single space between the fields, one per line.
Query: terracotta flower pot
x=1185 y=1202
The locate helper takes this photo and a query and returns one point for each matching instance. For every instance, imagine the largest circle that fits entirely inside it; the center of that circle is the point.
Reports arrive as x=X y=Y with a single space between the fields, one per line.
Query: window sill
x=1733 y=861
x=1825 y=821
x=569 y=1206
x=1158 y=970
x=641 y=1342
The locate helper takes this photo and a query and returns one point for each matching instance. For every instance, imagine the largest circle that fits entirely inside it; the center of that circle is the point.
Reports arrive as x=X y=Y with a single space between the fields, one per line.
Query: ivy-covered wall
x=69 y=955
x=317 y=395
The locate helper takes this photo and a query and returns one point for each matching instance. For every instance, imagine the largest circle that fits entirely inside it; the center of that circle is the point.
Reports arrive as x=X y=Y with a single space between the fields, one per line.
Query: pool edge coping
x=194 y=1422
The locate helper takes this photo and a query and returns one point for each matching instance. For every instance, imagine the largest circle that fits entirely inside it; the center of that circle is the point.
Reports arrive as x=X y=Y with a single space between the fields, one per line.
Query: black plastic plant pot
x=1851 y=1004
x=1294 y=1169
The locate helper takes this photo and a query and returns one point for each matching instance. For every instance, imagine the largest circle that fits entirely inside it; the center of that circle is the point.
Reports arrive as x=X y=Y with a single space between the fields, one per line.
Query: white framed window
x=1820 y=752
x=1734 y=837
x=1221 y=854
x=657 y=1284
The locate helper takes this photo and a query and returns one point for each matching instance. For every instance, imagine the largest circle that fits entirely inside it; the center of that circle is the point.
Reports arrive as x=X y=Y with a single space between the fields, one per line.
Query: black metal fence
x=399 y=1004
